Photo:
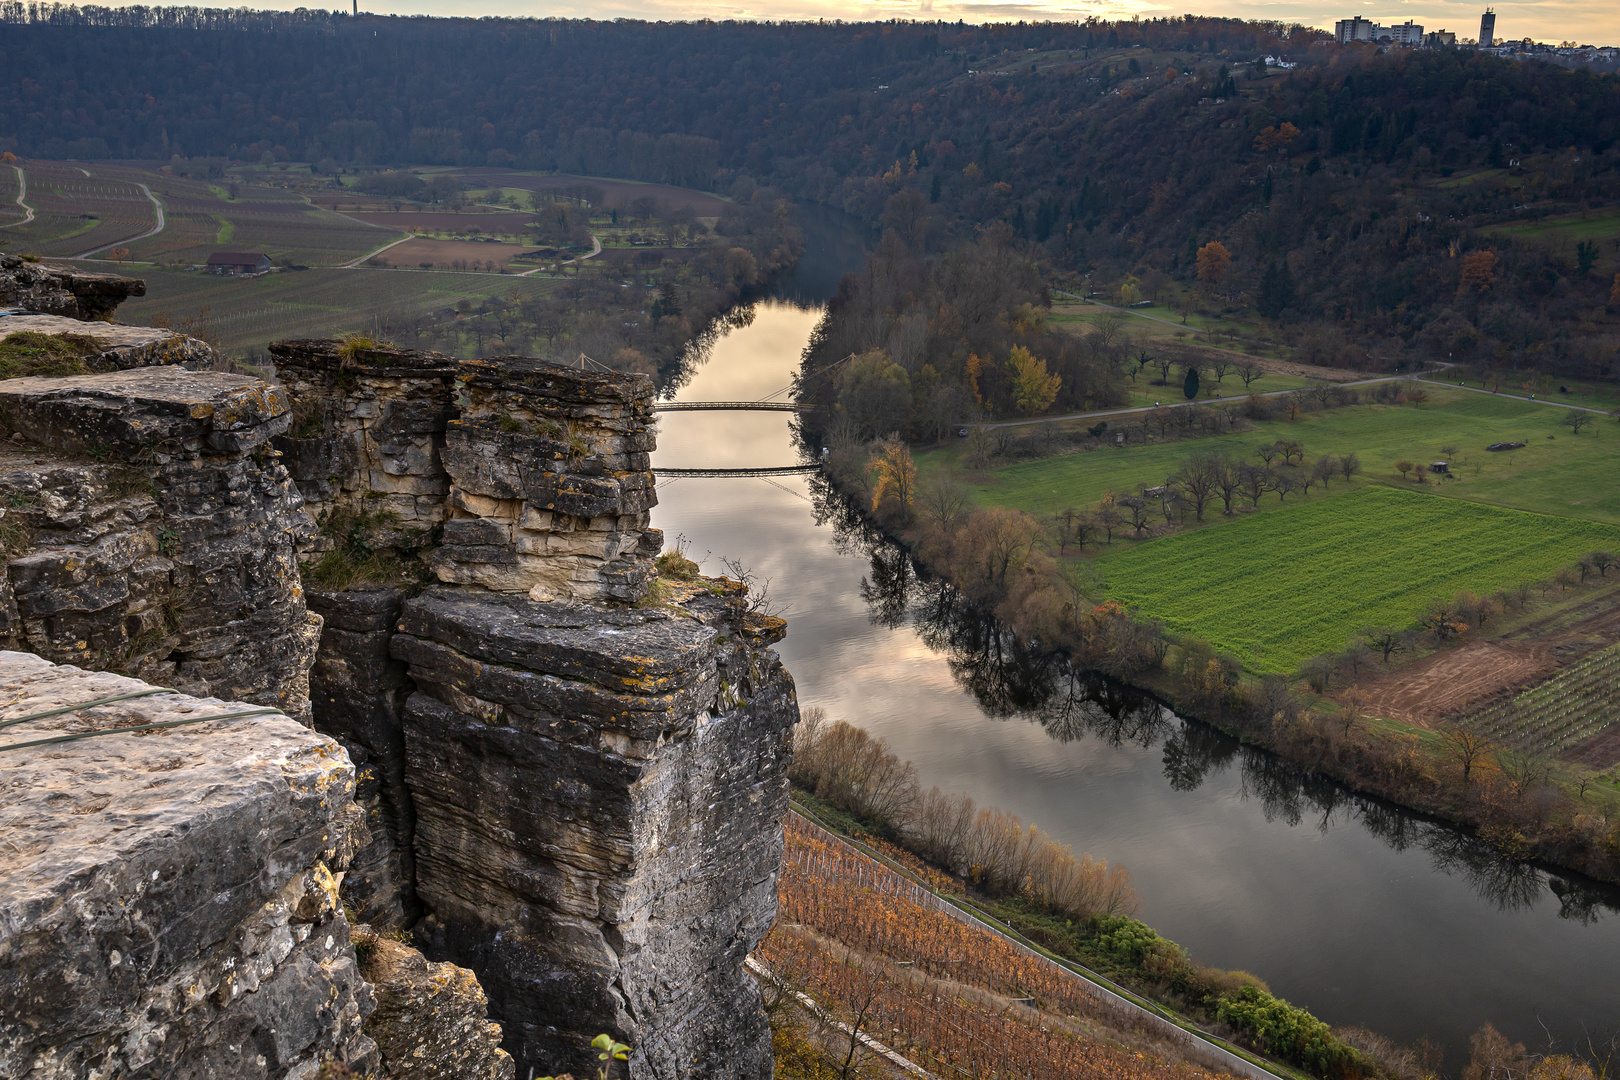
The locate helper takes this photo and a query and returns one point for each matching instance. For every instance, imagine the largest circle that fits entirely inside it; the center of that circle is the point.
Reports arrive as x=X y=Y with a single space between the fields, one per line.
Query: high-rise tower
x=1487 y=29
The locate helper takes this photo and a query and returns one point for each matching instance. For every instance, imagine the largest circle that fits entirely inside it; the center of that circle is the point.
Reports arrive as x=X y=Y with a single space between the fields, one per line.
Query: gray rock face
x=368 y=434
x=598 y=798
x=168 y=907
x=358 y=693
x=61 y=290
x=111 y=347
x=148 y=528
x=430 y=1022
x=552 y=482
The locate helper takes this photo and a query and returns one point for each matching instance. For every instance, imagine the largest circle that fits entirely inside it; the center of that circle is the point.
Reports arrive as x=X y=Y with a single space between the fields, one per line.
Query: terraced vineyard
x=1562 y=712
x=239 y=314
x=76 y=212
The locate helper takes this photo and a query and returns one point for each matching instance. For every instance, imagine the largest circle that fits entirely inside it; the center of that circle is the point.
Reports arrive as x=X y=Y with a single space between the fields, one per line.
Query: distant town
x=1415 y=35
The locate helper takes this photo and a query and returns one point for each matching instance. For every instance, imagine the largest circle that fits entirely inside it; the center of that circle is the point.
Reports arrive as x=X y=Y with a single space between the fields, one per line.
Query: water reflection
x=1011 y=679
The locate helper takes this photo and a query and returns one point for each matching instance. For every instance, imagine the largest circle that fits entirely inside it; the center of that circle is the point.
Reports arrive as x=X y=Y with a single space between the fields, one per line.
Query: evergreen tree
x=1276 y=290
x=1190 y=387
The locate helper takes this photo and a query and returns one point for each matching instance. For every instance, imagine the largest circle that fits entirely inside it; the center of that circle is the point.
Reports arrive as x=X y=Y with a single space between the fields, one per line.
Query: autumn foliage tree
x=1033 y=388
x=1213 y=263
x=1478 y=273
x=896 y=486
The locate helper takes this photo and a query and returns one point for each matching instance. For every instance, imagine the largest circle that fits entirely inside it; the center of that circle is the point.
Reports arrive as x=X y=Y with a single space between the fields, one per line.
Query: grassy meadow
x=1276 y=588
x=1571 y=475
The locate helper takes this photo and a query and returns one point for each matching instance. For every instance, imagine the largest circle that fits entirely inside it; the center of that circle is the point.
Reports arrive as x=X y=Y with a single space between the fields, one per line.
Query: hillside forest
x=1375 y=209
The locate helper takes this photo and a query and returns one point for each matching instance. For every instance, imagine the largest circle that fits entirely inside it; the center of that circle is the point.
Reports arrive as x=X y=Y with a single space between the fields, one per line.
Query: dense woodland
x=1119 y=149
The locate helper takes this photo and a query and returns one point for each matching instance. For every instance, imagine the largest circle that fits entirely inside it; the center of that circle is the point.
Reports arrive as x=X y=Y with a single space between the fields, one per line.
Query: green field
x=1276 y=588
x=241 y=314
x=1594 y=225
x=1571 y=475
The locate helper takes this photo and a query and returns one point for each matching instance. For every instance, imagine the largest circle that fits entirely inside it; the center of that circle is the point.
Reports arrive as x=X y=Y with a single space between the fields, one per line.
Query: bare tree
x=1136 y=508
x=1254 y=481
x=1465 y=746
x=1199 y=481
x=1249 y=371
x=945 y=503
x=1349 y=465
x=1386 y=639
x=1575 y=420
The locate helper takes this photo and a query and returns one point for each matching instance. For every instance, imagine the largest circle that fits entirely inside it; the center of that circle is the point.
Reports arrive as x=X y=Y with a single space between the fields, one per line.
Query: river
x=1361 y=912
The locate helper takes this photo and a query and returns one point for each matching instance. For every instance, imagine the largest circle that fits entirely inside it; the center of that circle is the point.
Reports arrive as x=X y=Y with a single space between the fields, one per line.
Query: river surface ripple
x=1358 y=911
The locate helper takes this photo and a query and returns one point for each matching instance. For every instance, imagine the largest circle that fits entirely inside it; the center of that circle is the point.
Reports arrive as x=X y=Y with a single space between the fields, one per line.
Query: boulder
x=168 y=897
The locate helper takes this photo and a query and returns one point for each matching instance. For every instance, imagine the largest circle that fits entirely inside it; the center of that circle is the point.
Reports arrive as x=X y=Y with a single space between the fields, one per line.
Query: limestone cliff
x=561 y=778
x=63 y=290
x=149 y=529
x=168 y=907
x=581 y=798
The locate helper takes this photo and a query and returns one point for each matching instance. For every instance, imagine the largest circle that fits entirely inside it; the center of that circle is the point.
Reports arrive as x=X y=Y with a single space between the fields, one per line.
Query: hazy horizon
x=1582 y=21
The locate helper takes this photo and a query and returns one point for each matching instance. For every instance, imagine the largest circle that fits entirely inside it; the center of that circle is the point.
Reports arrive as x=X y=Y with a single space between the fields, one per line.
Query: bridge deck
x=738 y=406
x=782 y=470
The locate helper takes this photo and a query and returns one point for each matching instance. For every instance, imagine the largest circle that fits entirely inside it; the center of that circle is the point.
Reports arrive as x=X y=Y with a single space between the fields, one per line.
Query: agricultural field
x=10 y=212
x=427 y=223
x=1554 y=473
x=1276 y=588
x=449 y=254
x=77 y=211
x=615 y=193
x=1564 y=715
x=958 y=1006
x=245 y=314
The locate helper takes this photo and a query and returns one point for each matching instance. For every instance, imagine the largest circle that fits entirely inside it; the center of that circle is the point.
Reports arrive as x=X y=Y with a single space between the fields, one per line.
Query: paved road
x=22 y=190
x=158 y=206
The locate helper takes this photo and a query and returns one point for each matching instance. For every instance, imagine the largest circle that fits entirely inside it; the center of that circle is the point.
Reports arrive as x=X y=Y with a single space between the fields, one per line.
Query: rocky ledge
x=148 y=528
x=104 y=346
x=168 y=897
x=63 y=290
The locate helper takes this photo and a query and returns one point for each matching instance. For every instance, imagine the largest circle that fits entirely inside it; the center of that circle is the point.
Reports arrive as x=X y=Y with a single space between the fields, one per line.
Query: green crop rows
x=1278 y=587
x=1562 y=712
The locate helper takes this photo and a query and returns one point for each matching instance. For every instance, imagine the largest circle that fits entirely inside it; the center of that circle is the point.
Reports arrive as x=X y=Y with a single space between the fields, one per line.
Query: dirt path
x=156 y=205
x=22 y=192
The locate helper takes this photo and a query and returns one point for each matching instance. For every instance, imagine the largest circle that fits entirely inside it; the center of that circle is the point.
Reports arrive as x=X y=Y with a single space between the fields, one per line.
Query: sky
x=1592 y=22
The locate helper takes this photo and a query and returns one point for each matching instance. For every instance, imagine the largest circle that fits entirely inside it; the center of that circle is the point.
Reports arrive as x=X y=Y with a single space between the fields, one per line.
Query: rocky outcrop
x=168 y=898
x=552 y=482
x=598 y=797
x=148 y=528
x=366 y=438
x=63 y=290
x=358 y=692
x=430 y=1022
x=103 y=346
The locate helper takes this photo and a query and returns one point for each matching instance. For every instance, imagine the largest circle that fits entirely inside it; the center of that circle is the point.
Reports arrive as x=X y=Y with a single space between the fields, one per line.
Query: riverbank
x=995 y=558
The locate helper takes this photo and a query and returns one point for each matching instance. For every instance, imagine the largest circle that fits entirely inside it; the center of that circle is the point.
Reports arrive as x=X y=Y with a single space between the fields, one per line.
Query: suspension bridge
x=779 y=470
x=738 y=406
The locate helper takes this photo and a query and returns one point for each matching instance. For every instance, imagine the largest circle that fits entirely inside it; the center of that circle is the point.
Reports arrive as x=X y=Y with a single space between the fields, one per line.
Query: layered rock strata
x=598 y=800
x=168 y=898
x=358 y=692
x=103 y=346
x=366 y=438
x=148 y=528
x=552 y=482
x=63 y=290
